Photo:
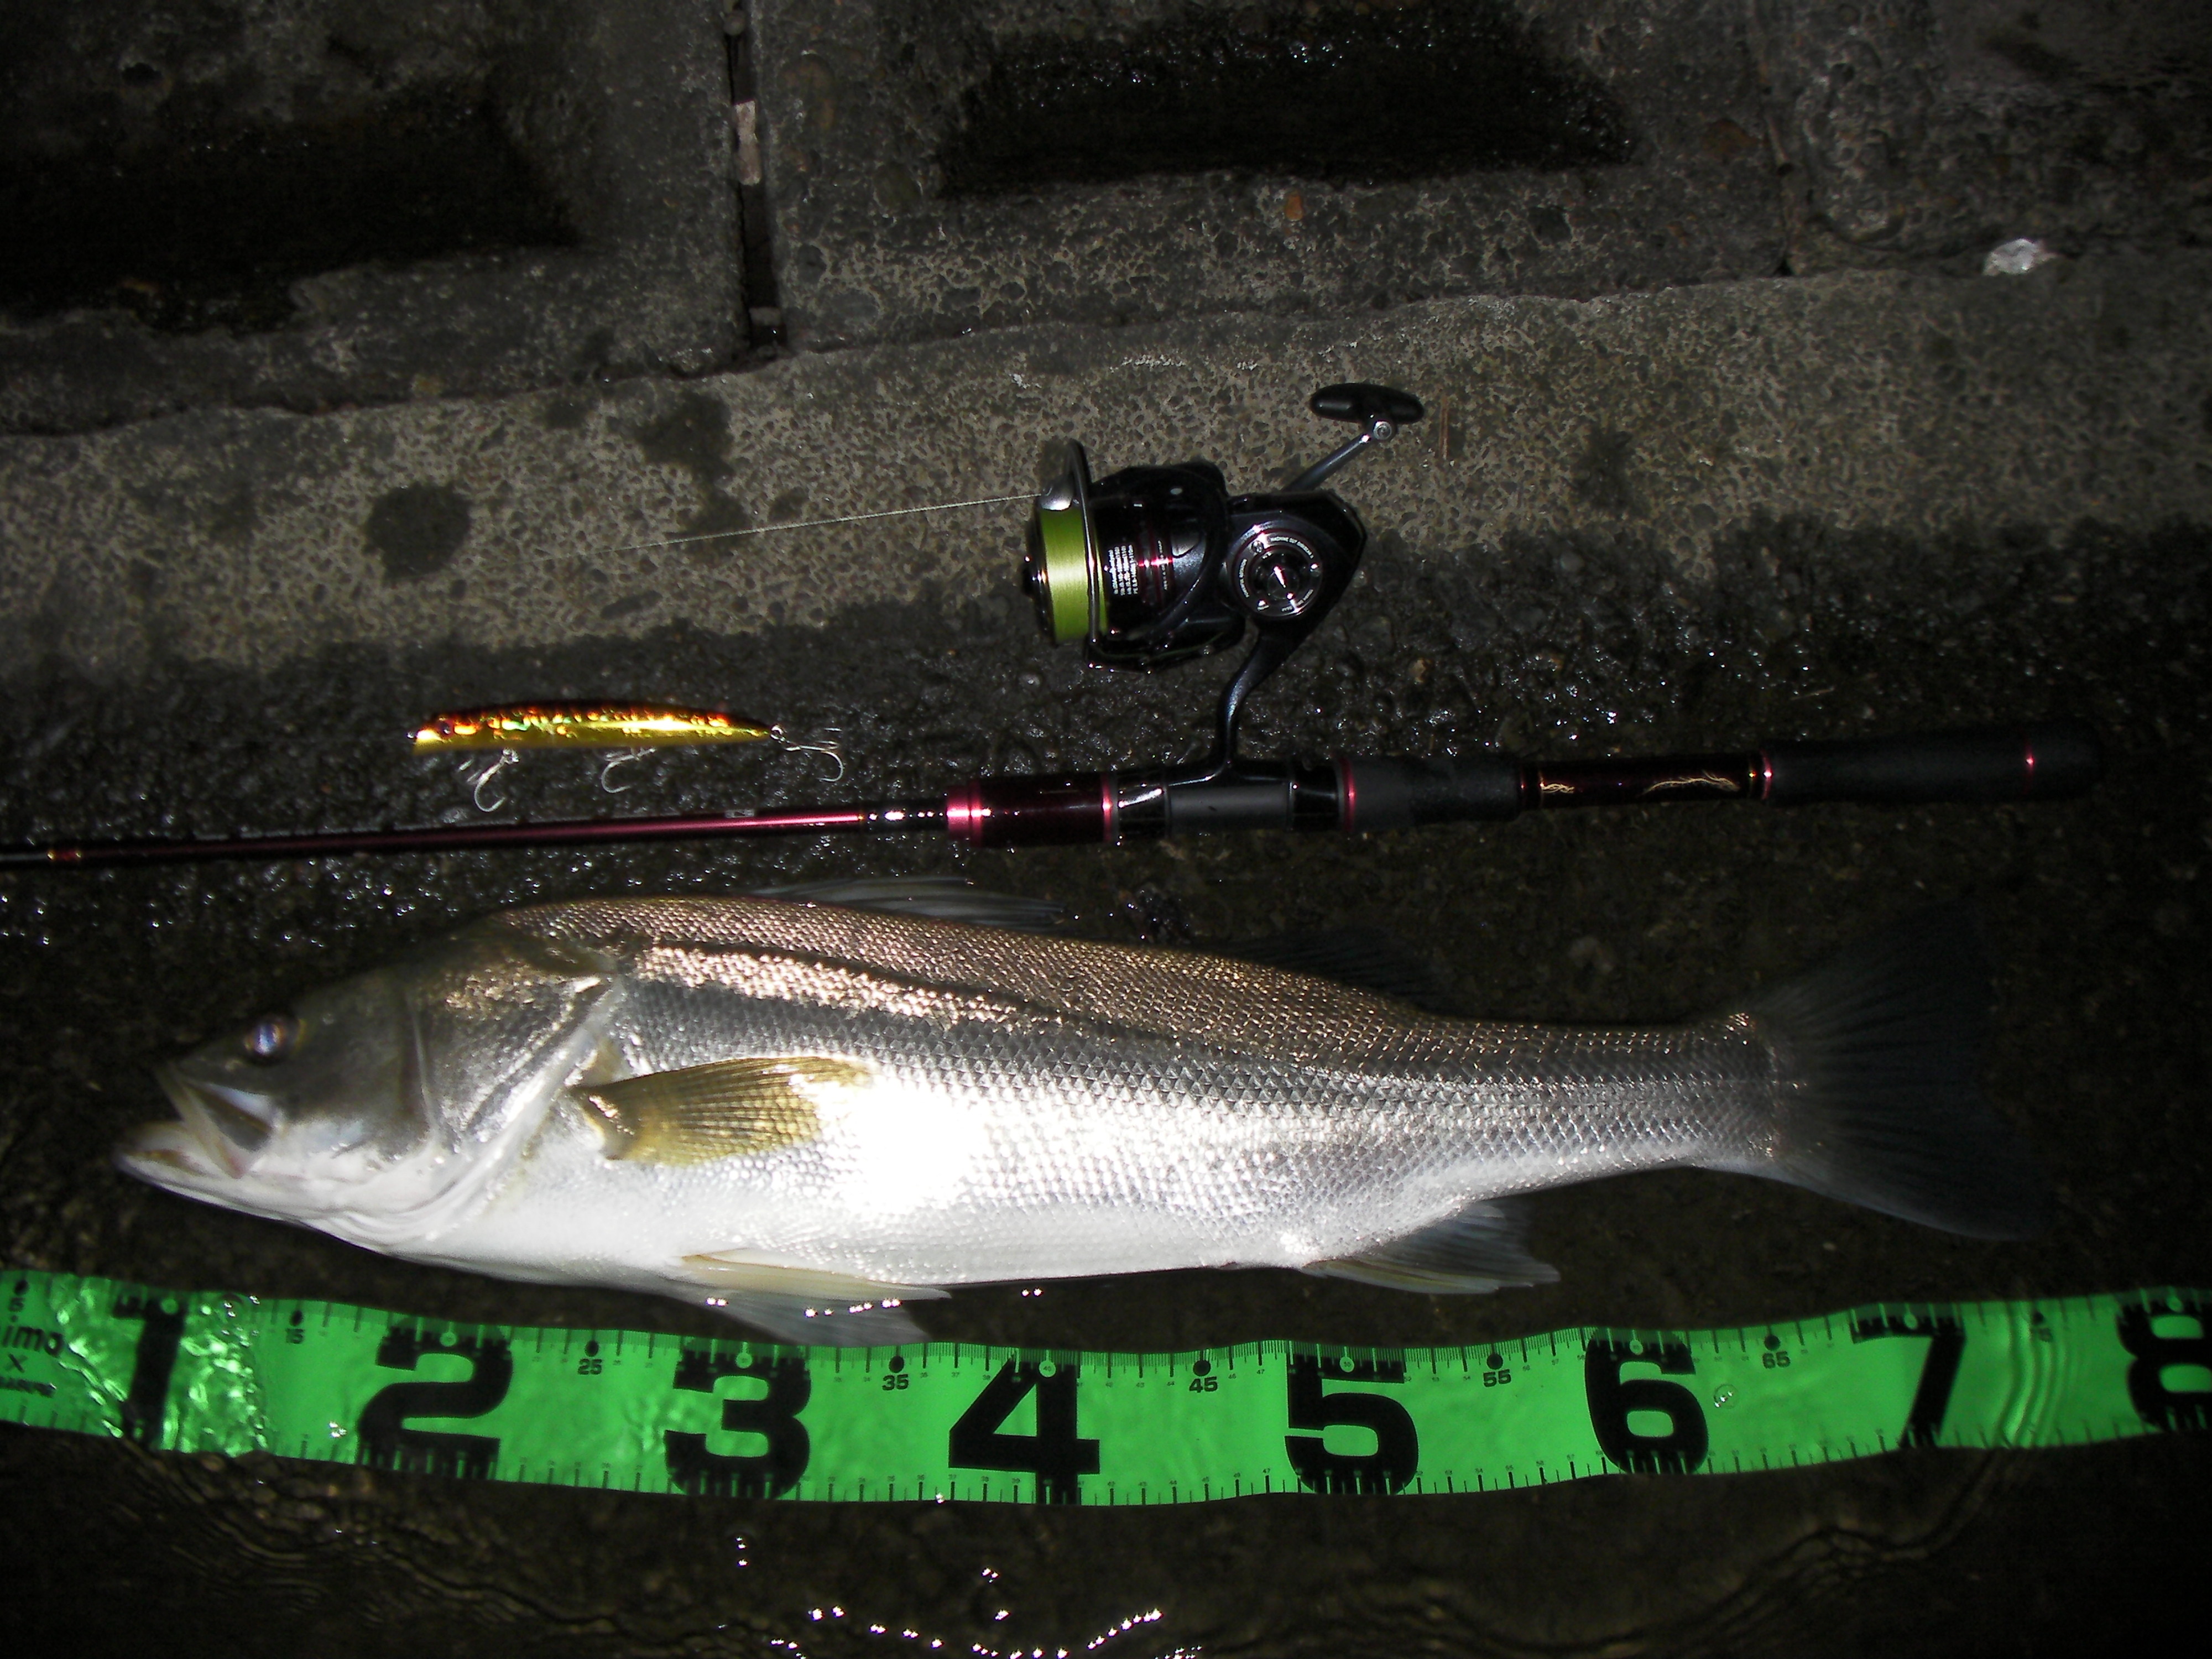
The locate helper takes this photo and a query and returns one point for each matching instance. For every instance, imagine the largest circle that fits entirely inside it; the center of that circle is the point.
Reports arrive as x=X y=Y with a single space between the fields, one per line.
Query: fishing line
x=810 y=524
x=212 y=1371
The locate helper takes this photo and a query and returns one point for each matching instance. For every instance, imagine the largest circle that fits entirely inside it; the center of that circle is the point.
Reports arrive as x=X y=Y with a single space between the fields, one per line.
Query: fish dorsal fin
x=1235 y=1006
x=722 y=1110
x=1369 y=958
x=1483 y=1247
x=942 y=898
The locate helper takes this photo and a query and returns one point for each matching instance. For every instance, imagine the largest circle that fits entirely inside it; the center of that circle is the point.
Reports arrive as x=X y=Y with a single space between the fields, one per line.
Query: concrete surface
x=865 y=97
x=1920 y=131
x=1674 y=420
x=249 y=115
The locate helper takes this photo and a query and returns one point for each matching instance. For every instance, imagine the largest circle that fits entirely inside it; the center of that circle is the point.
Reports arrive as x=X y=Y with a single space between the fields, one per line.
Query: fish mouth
x=215 y=1136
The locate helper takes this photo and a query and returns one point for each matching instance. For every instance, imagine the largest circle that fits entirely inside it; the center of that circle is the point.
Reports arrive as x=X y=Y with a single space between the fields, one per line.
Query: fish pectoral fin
x=805 y=1304
x=722 y=1110
x=1484 y=1247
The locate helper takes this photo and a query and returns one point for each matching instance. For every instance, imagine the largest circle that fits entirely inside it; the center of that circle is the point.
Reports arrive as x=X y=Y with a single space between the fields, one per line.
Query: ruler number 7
x=1939 y=1370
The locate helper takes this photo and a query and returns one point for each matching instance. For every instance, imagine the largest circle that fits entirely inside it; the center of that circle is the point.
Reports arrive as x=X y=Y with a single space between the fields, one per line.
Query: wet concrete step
x=1911 y=403
x=310 y=204
x=938 y=169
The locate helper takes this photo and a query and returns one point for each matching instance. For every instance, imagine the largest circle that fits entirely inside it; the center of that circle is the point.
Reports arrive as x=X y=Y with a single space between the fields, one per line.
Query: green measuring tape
x=209 y=1372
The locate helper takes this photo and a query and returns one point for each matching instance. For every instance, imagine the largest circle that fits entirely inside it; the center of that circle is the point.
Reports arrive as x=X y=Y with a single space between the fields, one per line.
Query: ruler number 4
x=1056 y=1455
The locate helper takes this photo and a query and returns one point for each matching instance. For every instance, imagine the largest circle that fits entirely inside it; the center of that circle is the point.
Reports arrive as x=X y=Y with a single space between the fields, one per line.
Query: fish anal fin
x=804 y=1323
x=722 y=1110
x=805 y=1304
x=737 y=1270
x=1479 y=1250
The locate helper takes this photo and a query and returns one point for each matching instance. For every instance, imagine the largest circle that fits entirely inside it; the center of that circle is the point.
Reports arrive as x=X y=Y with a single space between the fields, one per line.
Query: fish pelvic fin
x=802 y=1304
x=724 y=1109
x=1878 y=1099
x=1482 y=1249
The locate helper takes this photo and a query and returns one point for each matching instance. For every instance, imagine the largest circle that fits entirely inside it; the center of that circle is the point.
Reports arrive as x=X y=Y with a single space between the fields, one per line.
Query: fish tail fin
x=1879 y=1102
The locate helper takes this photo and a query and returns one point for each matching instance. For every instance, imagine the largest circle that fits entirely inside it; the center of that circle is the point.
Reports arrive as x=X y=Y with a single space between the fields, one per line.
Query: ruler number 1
x=1939 y=1370
x=161 y=1329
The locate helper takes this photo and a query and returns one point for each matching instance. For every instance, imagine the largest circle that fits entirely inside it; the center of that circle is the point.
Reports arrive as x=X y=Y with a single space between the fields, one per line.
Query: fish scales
x=1115 y=1108
x=950 y=1104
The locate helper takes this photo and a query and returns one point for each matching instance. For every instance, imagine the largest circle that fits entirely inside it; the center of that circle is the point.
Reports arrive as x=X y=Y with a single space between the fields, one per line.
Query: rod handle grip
x=1375 y=791
x=2051 y=760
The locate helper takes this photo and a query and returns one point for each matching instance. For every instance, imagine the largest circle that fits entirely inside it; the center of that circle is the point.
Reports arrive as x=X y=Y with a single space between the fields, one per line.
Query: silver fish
x=809 y=1115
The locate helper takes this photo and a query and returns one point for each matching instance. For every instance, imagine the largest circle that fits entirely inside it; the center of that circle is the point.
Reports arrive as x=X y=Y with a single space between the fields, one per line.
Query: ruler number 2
x=386 y=1441
x=1939 y=1370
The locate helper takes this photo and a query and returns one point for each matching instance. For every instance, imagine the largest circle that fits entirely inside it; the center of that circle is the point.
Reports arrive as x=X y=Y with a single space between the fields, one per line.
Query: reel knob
x=1367 y=403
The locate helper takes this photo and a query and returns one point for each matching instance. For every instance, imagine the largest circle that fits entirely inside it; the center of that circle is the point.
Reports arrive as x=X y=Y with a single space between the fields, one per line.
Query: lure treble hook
x=827 y=748
x=480 y=775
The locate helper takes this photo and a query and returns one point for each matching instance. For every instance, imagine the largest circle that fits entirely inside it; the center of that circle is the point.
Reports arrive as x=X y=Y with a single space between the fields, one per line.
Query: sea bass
x=808 y=1115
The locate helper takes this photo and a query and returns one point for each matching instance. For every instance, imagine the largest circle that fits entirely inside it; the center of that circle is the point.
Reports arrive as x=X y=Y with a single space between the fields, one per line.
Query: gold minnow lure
x=587 y=726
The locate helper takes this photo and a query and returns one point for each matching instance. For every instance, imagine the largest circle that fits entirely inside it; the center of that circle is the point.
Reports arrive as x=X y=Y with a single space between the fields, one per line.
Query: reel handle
x=1380 y=410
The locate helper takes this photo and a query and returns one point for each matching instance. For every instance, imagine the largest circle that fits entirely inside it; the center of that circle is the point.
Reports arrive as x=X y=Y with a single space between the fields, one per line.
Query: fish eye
x=270 y=1038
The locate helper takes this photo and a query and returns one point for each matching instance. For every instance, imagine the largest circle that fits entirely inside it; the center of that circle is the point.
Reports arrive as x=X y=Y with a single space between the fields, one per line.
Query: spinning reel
x=1152 y=565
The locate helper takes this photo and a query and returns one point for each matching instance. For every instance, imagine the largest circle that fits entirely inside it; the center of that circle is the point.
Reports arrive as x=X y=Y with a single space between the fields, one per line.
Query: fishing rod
x=1350 y=794
x=1153 y=565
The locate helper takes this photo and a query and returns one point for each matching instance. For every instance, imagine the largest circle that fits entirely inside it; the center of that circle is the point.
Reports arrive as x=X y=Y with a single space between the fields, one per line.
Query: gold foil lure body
x=587 y=726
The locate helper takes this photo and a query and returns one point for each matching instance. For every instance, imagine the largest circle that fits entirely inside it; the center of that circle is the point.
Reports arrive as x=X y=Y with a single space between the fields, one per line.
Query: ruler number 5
x=1397 y=1454
x=1939 y=1370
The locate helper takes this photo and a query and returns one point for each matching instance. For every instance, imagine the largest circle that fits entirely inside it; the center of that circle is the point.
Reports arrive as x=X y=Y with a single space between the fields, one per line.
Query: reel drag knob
x=1276 y=575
